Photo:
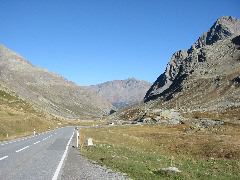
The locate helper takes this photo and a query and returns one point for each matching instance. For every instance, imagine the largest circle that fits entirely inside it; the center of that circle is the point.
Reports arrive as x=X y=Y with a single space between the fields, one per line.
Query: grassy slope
x=18 y=118
x=140 y=151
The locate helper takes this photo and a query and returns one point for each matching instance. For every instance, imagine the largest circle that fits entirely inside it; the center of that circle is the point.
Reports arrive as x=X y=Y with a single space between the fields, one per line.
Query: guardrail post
x=77 y=137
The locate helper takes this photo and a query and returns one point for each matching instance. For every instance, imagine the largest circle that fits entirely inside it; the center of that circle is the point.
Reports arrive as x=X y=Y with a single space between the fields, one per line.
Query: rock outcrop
x=223 y=28
x=47 y=91
x=206 y=67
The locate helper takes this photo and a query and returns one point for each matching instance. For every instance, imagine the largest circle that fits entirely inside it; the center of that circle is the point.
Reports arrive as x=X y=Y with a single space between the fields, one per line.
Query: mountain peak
x=200 y=61
x=122 y=93
x=131 y=79
x=226 y=20
x=224 y=27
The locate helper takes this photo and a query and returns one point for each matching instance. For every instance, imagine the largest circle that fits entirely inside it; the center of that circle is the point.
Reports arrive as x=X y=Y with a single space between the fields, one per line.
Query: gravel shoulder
x=78 y=167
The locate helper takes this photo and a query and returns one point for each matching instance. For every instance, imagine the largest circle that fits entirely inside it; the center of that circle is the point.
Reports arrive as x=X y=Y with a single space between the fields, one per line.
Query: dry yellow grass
x=229 y=115
x=15 y=125
x=173 y=139
x=19 y=118
x=140 y=151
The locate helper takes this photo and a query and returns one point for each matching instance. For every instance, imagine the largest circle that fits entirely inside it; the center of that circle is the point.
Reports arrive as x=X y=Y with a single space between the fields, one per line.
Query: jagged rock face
x=49 y=92
x=172 y=73
x=122 y=93
x=224 y=27
x=213 y=59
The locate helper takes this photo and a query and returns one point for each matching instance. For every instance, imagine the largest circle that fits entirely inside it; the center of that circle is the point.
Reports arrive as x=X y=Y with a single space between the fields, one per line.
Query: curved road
x=35 y=157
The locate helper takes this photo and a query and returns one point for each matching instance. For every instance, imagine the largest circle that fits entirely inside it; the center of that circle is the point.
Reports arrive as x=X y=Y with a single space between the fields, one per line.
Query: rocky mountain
x=122 y=93
x=48 y=92
x=214 y=56
x=203 y=81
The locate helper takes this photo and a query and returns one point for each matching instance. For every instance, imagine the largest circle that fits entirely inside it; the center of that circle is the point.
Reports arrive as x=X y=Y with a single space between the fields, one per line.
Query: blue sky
x=93 y=41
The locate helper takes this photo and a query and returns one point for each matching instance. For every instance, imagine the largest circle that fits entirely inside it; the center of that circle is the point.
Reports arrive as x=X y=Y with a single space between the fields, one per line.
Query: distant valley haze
x=91 y=42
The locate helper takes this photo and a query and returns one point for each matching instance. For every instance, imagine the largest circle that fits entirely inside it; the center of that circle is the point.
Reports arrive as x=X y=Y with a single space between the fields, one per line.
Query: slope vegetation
x=48 y=91
x=19 y=118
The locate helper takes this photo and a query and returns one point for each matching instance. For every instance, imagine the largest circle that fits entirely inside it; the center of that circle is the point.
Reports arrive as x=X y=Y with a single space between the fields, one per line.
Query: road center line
x=22 y=149
x=4 y=157
x=37 y=142
x=55 y=176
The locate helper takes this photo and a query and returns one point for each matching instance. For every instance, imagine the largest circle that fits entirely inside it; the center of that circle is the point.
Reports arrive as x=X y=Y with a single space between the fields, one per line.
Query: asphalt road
x=35 y=157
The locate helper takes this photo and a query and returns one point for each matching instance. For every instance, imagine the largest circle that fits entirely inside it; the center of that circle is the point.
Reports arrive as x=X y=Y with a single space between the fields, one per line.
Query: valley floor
x=141 y=151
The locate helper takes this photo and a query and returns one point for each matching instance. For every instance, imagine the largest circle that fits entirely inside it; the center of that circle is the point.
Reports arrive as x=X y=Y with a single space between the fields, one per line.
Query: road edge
x=56 y=174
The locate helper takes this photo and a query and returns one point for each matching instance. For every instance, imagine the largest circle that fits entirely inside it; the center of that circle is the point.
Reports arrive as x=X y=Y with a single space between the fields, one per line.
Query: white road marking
x=22 y=149
x=45 y=139
x=4 y=157
x=55 y=176
x=37 y=142
x=23 y=138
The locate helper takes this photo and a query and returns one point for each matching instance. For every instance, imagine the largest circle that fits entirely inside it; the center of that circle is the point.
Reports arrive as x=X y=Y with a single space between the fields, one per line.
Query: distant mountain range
x=123 y=93
x=204 y=78
x=51 y=93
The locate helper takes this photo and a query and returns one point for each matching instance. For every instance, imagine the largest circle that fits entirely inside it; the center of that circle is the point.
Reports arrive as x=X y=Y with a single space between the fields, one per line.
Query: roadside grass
x=23 y=125
x=140 y=151
x=18 y=118
x=230 y=114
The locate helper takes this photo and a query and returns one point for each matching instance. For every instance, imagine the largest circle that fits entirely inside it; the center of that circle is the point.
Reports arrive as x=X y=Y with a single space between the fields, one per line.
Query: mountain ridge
x=49 y=91
x=199 y=83
x=122 y=93
x=182 y=59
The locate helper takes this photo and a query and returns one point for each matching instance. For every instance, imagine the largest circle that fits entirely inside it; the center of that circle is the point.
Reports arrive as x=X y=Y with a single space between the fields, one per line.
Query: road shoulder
x=78 y=167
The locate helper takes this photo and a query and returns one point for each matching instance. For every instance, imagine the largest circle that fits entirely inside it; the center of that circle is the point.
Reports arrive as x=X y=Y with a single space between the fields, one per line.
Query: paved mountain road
x=35 y=157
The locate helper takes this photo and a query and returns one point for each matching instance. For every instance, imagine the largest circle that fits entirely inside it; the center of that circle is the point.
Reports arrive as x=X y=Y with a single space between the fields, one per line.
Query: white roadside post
x=77 y=136
x=89 y=142
x=34 y=132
